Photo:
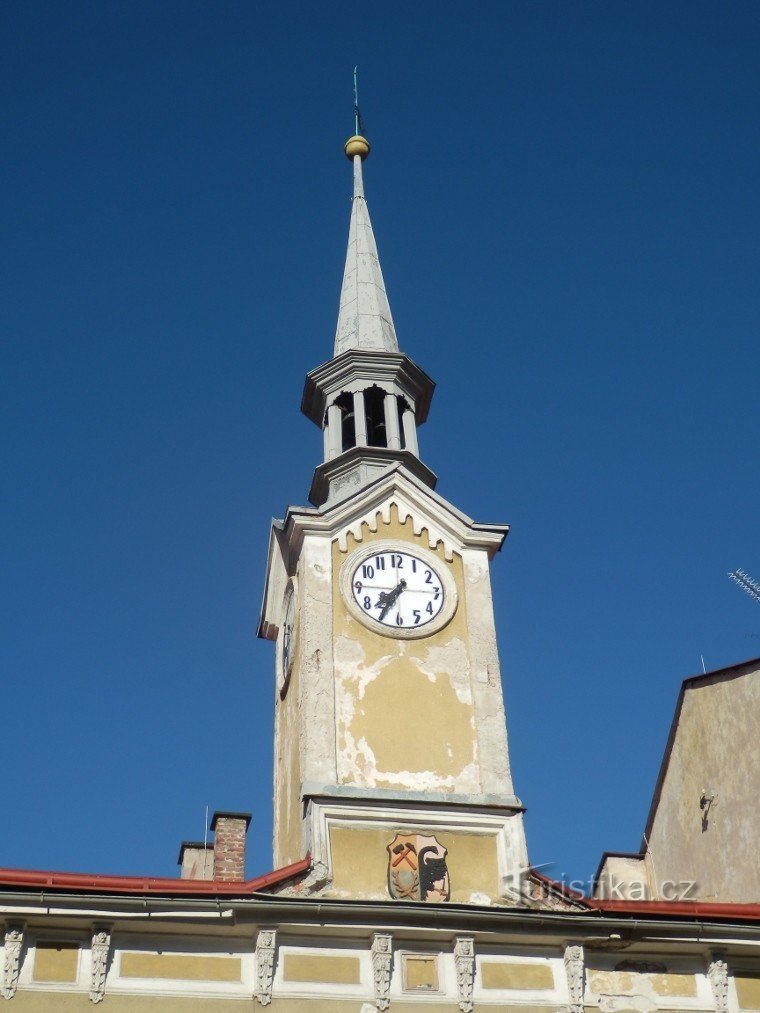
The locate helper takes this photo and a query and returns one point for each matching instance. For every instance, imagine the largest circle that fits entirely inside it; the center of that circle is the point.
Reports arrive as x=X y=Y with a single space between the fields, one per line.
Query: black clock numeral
x=368 y=571
x=358 y=585
x=437 y=591
x=397 y=561
x=380 y=562
x=414 y=565
x=429 y=608
x=367 y=602
x=417 y=616
x=399 y=620
x=428 y=577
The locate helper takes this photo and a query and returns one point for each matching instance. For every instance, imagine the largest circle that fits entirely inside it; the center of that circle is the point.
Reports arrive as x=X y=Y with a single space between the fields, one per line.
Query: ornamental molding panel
x=382 y=968
x=717 y=973
x=381 y=514
x=464 y=961
x=266 y=943
x=575 y=971
x=368 y=814
x=101 y=951
x=14 y=942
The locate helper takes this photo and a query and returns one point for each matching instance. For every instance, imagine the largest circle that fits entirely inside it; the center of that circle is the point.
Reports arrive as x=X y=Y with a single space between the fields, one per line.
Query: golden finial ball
x=356 y=145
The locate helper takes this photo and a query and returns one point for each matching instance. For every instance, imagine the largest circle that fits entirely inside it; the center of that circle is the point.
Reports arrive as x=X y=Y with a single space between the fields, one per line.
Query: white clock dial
x=398 y=591
x=287 y=640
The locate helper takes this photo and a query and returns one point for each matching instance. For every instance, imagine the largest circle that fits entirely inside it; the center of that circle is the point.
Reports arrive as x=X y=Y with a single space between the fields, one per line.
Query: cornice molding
x=357 y=369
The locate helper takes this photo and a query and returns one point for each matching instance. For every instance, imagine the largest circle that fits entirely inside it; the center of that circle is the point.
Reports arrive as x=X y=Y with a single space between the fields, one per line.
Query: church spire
x=364 y=317
x=370 y=398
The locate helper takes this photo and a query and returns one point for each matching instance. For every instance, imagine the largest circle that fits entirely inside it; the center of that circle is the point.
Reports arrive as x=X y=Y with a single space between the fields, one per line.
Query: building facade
x=402 y=878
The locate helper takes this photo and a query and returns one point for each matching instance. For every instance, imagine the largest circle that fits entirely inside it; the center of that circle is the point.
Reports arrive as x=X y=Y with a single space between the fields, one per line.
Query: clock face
x=398 y=591
x=287 y=640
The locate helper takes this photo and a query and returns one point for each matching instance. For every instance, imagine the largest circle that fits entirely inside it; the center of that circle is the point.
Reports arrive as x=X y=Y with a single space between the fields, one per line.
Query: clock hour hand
x=388 y=599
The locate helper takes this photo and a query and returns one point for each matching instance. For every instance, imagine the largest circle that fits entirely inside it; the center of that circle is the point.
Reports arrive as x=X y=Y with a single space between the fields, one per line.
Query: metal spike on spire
x=359 y=128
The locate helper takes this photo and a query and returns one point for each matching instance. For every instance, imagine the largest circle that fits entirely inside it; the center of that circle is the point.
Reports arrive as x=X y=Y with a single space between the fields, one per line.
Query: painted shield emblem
x=417 y=869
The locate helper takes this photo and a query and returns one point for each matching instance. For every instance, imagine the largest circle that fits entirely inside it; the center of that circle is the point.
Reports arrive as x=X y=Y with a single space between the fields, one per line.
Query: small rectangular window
x=420 y=972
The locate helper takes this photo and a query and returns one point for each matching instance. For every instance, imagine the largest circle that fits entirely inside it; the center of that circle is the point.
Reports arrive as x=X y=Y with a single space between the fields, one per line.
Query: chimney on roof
x=196 y=860
x=230 y=830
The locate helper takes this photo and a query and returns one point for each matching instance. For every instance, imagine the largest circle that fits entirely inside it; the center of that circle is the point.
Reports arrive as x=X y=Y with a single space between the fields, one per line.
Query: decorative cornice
x=358 y=369
x=343 y=476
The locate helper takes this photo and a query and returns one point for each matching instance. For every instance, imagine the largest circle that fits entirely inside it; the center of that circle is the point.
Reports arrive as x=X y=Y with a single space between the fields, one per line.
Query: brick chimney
x=229 y=845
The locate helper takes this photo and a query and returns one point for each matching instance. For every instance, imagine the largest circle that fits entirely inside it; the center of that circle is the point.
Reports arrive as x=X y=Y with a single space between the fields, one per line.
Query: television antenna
x=746 y=583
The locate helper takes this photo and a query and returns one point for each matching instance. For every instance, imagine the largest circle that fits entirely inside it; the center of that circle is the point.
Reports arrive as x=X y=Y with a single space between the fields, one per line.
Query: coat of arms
x=417 y=868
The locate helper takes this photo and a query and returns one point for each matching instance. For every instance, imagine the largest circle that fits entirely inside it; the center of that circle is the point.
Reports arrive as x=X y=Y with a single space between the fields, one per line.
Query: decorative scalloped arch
x=382 y=514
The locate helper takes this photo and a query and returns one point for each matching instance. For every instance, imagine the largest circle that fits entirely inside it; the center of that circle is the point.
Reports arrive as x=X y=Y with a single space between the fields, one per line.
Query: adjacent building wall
x=703 y=840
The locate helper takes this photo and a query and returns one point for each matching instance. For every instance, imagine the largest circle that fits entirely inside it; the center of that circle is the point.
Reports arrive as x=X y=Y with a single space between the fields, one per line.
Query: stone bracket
x=101 y=951
x=464 y=961
x=717 y=973
x=14 y=943
x=382 y=968
x=266 y=944
x=575 y=971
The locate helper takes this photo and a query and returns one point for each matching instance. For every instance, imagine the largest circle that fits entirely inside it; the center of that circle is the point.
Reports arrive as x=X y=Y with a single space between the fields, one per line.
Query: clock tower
x=391 y=760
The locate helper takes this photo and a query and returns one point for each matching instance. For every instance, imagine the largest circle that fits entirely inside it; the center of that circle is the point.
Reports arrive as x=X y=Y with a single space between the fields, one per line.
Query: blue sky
x=566 y=205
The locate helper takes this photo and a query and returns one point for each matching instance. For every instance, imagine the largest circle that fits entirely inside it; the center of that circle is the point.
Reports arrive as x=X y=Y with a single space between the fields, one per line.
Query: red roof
x=30 y=878
x=680 y=908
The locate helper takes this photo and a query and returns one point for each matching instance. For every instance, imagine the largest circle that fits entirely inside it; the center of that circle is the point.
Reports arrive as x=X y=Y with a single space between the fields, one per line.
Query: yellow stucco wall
x=338 y=970
x=633 y=983
x=56 y=961
x=60 y=1002
x=405 y=716
x=748 y=991
x=360 y=862
x=53 y=1002
x=503 y=975
x=179 y=966
x=420 y=971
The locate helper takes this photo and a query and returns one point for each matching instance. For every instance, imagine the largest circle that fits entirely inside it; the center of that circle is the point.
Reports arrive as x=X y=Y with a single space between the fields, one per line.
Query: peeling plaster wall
x=405 y=709
x=365 y=710
x=715 y=749
x=305 y=719
x=620 y=991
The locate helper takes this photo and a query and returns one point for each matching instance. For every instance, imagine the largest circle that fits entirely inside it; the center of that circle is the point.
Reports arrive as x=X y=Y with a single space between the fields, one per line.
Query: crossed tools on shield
x=403 y=851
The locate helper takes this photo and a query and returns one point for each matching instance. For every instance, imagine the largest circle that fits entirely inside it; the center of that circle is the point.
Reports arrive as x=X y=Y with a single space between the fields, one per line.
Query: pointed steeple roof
x=364 y=317
x=370 y=398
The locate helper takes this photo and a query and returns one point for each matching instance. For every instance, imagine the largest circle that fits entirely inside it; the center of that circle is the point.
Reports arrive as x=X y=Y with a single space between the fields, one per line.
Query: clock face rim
x=284 y=669
x=436 y=564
